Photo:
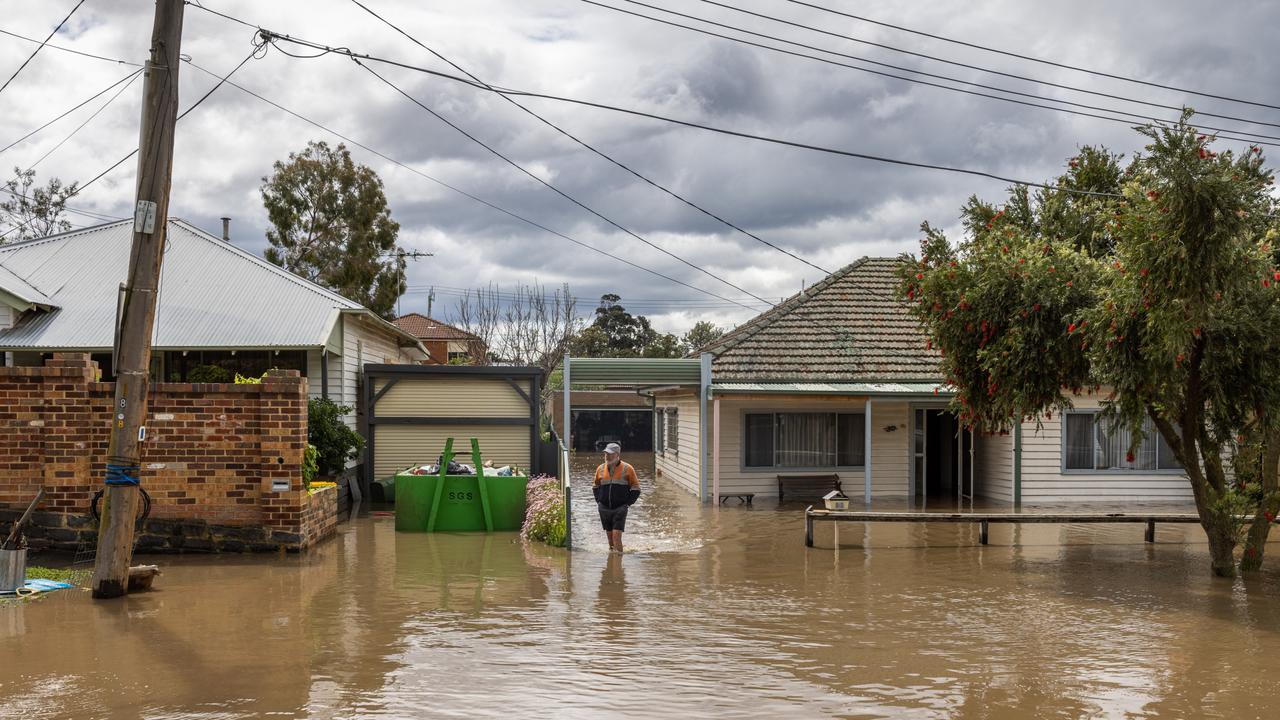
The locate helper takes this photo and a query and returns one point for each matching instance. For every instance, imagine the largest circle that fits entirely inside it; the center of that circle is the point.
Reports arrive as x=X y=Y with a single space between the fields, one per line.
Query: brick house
x=444 y=342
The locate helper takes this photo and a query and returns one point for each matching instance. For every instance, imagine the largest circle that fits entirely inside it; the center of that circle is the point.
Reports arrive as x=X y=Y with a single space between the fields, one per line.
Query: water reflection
x=713 y=612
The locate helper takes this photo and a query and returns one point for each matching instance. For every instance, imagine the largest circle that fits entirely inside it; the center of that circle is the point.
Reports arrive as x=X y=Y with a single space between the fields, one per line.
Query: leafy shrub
x=544 y=517
x=242 y=380
x=310 y=465
x=209 y=374
x=335 y=443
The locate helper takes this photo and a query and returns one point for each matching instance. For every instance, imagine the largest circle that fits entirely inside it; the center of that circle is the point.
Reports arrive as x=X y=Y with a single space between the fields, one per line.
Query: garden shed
x=411 y=410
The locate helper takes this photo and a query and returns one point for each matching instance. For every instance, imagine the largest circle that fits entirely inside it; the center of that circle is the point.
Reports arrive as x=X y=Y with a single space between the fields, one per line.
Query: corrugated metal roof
x=634 y=371
x=212 y=294
x=856 y=388
x=14 y=285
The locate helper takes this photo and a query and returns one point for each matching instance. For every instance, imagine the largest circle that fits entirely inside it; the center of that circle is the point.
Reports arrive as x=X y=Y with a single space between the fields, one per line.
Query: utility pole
x=138 y=312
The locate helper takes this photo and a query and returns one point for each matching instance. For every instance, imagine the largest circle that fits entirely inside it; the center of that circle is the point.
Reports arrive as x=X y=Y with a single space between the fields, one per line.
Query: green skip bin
x=459 y=503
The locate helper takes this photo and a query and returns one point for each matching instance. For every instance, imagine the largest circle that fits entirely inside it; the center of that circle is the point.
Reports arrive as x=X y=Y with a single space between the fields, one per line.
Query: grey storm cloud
x=831 y=210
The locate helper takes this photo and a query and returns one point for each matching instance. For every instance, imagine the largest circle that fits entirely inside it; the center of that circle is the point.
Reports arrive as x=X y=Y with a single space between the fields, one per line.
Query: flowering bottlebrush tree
x=1154 y=284
x=544 y=517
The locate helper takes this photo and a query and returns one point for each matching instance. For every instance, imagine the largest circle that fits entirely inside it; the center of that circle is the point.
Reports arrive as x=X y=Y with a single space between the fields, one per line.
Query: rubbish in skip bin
x=459 y=503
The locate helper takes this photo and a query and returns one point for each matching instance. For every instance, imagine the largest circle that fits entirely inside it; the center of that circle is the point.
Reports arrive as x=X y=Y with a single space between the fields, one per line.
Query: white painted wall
x=682 y=466
x=889 y=449
x=993 y=467
x=8 y=316
x=1043 y=480
x=363 y=343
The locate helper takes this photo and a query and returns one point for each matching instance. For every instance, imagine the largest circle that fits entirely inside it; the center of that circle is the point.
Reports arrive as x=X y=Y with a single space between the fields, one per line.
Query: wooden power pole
x=138 y=312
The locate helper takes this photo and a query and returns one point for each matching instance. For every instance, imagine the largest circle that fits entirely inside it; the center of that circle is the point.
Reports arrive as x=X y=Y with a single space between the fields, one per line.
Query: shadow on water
x=713 y=612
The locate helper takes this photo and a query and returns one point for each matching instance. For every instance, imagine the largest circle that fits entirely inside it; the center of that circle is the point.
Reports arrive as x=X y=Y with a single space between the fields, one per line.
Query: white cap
x=613 y=449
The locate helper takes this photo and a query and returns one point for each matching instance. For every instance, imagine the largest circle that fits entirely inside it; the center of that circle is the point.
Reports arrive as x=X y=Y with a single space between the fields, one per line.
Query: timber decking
x=985 y=518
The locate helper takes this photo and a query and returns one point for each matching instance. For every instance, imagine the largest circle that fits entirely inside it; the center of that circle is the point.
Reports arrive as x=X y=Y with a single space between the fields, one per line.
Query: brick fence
x=221 y=462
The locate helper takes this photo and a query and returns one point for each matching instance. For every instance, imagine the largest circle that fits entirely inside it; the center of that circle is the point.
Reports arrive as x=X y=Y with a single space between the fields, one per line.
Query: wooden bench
x=743 y=498
x=806 y=488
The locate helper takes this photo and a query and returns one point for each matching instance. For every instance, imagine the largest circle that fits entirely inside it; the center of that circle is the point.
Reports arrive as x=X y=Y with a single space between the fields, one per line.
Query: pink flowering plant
x=544 y=517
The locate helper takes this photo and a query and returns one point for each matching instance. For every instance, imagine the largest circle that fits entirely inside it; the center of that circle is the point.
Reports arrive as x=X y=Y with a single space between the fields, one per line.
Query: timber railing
x=984 y=519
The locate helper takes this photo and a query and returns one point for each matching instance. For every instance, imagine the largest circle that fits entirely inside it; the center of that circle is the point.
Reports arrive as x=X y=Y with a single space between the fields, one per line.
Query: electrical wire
x=441 y=183
x=86 y=122
x=1031 y=58
x=593 y=149
x=79 y=105
x=1260 y=138
x=51 y=46
x=552 y=187
x=35 y=52
x=277 y=38
x=256 y=51
x=956 y=63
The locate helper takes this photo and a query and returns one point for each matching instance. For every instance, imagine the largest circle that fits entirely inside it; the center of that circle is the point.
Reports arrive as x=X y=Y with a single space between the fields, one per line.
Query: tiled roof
x=425 y=328
x=847 y=327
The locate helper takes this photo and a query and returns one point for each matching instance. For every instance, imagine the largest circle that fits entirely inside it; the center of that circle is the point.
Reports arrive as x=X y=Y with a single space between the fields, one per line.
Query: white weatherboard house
x=837 y=380
x=218 y=306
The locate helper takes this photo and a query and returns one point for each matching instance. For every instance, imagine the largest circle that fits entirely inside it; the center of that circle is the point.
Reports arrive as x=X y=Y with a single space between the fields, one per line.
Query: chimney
x=226 y=229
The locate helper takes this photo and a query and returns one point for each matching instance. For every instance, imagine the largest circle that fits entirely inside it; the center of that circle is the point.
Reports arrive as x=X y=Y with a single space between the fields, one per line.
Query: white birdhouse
x=836 y=500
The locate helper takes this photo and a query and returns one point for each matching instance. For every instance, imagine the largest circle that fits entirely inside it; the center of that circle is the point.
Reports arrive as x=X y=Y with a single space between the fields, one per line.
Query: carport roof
x=636 y=372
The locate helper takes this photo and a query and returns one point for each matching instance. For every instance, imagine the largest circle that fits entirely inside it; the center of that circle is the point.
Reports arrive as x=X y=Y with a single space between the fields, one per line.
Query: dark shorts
x=615 y=519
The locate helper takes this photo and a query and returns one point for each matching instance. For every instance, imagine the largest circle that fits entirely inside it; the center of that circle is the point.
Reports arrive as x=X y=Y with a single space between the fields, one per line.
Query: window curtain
x=1078 y=441
x=806 y=440
x=851 y=432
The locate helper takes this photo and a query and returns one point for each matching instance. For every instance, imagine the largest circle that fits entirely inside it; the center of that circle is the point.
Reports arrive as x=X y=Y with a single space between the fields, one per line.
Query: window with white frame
x=673 y=430
x=1090 y=442
x=804 y=440
x=660 y=431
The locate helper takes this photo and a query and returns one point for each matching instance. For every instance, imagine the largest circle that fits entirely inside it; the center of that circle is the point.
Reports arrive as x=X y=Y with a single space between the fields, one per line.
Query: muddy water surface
x=712 y=613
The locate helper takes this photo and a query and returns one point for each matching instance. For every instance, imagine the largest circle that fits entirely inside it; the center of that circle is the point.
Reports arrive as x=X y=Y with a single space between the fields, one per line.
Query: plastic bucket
x=13 y=569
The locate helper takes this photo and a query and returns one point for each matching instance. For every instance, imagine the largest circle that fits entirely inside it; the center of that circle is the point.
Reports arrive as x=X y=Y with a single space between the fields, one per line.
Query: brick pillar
x=68 y=457
x=282 y=412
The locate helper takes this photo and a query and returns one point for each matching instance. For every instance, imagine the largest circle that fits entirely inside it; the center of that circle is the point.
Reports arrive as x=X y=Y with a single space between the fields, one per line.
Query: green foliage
x=335 y=443
x=209 y=374
x=28 y=211
x=702 y=334
x=310 y=465
x=330 y=224
x=617 y=333
x=1164 y=291
x=242 y=380
x=66 y=575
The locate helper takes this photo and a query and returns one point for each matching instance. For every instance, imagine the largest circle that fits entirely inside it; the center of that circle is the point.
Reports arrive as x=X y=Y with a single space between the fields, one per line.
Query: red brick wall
x=211 y=452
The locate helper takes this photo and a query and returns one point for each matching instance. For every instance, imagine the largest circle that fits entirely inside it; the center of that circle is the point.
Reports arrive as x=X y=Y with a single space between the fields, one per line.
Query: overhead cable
x=41 y=46
x=1254 y=138
x=1031 y=58
x=595 y=150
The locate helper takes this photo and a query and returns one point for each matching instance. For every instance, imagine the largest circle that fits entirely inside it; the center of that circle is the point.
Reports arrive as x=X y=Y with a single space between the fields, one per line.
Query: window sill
x=774 y=470
x=1123 y=472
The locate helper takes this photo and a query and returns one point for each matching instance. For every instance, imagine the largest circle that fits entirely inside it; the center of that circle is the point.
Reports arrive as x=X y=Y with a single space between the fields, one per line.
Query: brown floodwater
x=711 y=613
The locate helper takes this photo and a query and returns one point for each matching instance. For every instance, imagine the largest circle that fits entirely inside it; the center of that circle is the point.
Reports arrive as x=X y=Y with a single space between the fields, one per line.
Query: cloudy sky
x=829 y=210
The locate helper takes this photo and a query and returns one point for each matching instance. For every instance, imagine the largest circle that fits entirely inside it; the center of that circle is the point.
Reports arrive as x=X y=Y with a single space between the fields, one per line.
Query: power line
x=94 y=214
x=86 y=122
x=923 y=73
x=51 y=46
x=482 y=201
x=255 y=51
x=41 y=46
x=548 y=185
x=592 y=148
x=957 y=63
x=276 y=38
x=1034 y=59
x=79 y=105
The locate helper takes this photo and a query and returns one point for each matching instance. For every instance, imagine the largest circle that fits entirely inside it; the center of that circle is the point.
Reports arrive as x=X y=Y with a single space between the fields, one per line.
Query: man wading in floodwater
x=615 y=488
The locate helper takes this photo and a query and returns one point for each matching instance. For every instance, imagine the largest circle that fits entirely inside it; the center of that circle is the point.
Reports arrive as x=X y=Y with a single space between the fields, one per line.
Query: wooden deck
x=812 y=515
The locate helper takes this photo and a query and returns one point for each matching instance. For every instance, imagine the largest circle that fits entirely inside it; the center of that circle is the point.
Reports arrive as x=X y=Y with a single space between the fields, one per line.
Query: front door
x=941 y=465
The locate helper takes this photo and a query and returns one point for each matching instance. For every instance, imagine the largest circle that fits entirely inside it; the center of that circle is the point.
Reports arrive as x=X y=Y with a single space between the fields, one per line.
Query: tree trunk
x=1222 y=543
